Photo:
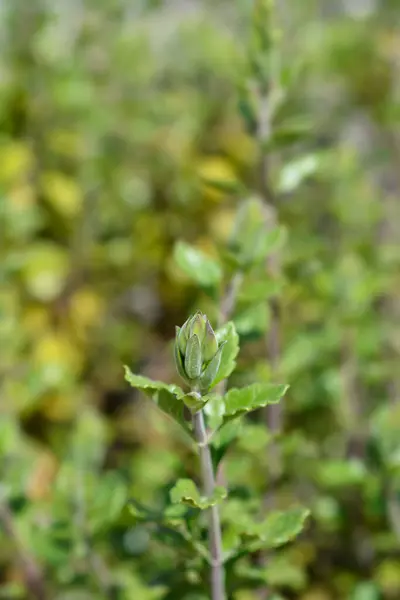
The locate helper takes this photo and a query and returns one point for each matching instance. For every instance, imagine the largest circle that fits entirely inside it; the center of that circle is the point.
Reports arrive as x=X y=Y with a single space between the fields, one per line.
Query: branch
x=214 y=523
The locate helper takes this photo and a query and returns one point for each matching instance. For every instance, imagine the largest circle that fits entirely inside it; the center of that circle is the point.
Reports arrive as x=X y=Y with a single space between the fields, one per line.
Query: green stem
x=214 y=522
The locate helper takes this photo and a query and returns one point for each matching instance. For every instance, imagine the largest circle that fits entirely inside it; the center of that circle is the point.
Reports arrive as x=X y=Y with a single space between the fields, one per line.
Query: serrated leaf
x=201 y=268
x=167 y=397
x=149 y=386
x=251 y=397
x=185 y=491
x=172 y=406
x=279 y=528
x=230 y=350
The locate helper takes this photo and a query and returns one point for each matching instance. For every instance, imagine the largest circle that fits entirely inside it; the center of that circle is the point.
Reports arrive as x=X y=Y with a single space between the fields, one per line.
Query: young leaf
x=172 y=406
x=201 y=268
x=239 y=401
x=194 y=401
x=185 y=491
x=167 y=397
x=279 y=528
x=148 y=386
x=230 y=350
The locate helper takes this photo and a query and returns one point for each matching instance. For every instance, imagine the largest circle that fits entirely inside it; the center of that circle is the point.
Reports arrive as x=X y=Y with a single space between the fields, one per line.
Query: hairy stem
x=214 y=523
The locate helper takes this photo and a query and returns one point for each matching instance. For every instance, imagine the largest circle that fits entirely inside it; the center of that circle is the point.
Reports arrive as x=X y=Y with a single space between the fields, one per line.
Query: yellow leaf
x=62 y=193
x=216 y=174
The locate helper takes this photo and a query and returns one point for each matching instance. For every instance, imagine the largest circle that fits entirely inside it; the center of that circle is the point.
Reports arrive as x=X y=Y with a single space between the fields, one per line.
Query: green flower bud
x=198 y=326
x=197 y=354
x=210 y=344
x=193 y=358
x=211 y=371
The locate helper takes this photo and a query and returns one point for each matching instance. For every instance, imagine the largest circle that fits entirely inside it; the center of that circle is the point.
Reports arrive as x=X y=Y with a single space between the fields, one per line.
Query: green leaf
x=279 y=528
x=239 y=401
x=257 y=291
x=230 y=350
x=223 y=438
x=294 y=173
x=171 y=406
x=253 y=320
x=214 y=409
x=167 y=397
x=185 y=491
x=201 y=268
x=148 y=386
x=194 y=401
x=341 y=473
x=268 y=242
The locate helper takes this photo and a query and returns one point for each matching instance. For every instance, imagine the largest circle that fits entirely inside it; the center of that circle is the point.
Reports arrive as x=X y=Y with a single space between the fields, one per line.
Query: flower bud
x=210 y=344
x=197 y=353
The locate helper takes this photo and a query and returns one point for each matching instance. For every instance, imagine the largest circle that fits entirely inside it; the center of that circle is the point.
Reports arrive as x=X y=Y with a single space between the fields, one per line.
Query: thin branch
x=229 y=299
x=214 y=523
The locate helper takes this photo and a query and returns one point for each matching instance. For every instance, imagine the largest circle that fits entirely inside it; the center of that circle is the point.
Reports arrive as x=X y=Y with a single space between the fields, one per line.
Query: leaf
x=294 y=173
x=223 y=438
x=279 y=528
x=257 y=291
x=230 y=350
x=185 y=491
x=148 y=386
x=172 y=406
x=253 y=320
x=198 y=266
x=341 y=473
x=194 y=401
x=167 y=397
x=268 y=242
x=256 y=395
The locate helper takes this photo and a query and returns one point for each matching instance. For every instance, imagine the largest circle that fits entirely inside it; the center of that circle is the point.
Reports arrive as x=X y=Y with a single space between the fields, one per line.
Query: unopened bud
x=197 y=353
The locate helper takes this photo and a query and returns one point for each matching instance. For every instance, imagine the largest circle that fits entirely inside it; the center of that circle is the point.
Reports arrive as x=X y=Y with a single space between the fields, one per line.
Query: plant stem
x=214 y=523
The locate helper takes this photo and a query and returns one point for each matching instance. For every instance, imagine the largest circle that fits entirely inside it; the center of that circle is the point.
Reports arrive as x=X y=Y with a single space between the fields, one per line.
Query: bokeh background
x=114 y=118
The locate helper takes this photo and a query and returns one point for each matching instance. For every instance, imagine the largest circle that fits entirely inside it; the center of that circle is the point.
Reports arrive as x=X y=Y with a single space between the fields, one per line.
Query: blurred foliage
x=125 y=127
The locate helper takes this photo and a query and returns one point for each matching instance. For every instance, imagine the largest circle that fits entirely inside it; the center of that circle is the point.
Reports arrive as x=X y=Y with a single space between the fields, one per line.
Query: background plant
x=119 y=118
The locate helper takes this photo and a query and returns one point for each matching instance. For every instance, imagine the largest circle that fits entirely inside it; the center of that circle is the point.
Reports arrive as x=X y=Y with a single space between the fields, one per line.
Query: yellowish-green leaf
x=279 y=528
x=199 y=267
x=227 y=334
x=238 y=401
x=185 y=491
